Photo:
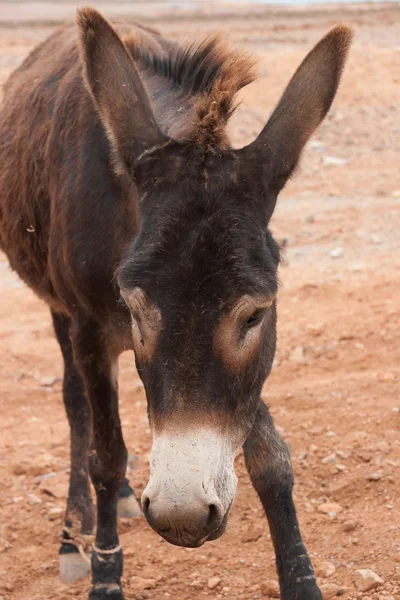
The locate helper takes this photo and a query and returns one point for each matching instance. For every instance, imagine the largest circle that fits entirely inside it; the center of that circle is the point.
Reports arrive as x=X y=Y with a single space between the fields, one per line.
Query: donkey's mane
x=208 y=74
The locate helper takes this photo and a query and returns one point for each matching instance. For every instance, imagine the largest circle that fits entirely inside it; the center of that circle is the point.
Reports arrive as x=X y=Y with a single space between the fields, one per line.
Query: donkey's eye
x=255 y=318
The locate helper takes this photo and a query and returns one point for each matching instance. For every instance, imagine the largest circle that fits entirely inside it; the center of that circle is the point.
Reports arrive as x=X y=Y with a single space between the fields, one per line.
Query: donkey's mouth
x=184 y=538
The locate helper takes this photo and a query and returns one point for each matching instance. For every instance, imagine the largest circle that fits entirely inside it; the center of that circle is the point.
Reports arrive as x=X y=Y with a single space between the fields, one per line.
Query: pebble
x=49 y=381
x=270 y=589
x=252 y=533
x=297 y=354
x=374 y=476
x=140 y=583
x=330 y=459
x=336 y=252
x=376 y=239
x=331 y=590
x=55 y=513
x=334 y=161
x=389 y=377
x=366 y=580
x=349 y=525
x=330 y=508
x=32 y=499
x=325 y=569
x=316 y=144
x=213 y=582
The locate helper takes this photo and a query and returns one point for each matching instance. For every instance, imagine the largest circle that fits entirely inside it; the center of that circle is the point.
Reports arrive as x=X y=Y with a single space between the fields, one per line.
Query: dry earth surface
x=334 y=390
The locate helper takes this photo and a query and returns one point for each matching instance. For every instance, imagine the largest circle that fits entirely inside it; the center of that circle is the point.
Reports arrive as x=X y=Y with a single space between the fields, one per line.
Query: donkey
x=125 y=208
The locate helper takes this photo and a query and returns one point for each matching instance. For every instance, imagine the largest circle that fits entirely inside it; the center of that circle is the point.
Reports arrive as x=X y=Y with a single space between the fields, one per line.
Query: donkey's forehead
x=216 y=259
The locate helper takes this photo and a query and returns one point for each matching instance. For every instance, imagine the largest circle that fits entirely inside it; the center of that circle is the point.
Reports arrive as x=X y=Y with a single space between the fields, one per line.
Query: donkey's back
x=59 y=198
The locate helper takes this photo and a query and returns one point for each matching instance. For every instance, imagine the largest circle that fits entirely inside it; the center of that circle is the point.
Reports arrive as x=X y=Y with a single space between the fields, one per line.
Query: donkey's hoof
x=106 y=591
x=74 y=566
x=306 y=591
x=128 y=507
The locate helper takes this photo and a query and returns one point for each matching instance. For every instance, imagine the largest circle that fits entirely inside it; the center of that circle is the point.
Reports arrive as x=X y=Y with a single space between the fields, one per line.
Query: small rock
x=140 y=583
x=331 y=590
x=374 y=476
x=349 y=525
x=329 y=460
x=330 y=508
x=49 y=381
x=316 y=144
x=54 y=488
x=33 y=500
x=365 y=456
x=334 y=161
x=297 y=354
x=376 y=239
x=388 y=377
x=356 y=267
x=325 y=569
x=270 y=589
x=366 y=580
x=336 y=252
x=40 y=478
x=253 y=533
x=55 y=513
x=213 y=582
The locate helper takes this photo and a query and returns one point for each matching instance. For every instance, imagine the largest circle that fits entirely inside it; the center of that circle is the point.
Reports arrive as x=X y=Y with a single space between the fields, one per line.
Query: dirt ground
x=335 y=387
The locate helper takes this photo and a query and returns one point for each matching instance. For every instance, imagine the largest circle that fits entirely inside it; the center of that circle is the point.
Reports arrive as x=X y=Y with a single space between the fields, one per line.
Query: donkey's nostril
x=145 y=504
x=215 y=516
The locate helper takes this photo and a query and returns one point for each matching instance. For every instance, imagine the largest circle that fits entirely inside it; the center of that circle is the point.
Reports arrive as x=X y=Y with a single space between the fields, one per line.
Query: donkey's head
x=200 y=280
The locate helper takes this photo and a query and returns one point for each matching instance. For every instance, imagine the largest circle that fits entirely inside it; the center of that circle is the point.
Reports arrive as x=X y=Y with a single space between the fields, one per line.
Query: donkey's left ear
x=301 y=109
x=117 y=89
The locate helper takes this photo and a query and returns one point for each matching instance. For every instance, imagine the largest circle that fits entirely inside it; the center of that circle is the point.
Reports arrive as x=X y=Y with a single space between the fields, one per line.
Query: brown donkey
x=124 y=206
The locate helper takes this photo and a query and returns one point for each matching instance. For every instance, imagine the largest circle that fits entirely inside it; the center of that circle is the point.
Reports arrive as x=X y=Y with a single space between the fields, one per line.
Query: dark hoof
x=73 y=564
x=303 y=591
x=106 y=591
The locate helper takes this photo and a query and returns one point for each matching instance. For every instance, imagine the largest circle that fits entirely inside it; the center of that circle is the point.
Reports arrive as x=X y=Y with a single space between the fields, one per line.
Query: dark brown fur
x=117 y=177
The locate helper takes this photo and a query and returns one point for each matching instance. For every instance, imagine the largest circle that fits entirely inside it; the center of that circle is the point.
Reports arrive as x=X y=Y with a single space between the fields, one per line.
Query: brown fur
x=209 y=75
x=117 y=175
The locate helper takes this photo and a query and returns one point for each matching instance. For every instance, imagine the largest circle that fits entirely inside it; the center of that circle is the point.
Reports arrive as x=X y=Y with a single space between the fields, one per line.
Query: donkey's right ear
x=118 y=92
x=301 y=109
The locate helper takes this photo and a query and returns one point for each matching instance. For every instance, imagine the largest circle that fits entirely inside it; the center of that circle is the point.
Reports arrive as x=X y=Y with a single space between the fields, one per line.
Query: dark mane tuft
x=209 y=74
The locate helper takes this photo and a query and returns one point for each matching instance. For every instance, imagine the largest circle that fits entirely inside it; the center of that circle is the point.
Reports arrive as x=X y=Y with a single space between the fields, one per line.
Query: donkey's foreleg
x=79 y=515
x=268 y=462
x=107 y=458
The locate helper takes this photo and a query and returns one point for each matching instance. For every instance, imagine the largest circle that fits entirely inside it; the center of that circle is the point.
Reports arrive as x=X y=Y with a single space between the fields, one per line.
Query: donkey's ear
x=301 y=109
x=115 y=84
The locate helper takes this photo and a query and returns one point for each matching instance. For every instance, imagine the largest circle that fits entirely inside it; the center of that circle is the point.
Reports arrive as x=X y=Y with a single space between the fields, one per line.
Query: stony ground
x=334 y=390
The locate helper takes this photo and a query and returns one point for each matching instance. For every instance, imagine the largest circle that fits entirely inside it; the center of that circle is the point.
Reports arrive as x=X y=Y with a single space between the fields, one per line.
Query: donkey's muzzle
x=190 y=524
x=192 y=485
